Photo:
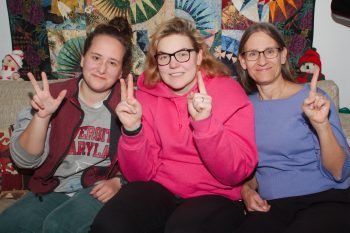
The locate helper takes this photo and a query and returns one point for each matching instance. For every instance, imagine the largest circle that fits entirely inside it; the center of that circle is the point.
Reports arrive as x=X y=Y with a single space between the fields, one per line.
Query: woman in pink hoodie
x=188 y=141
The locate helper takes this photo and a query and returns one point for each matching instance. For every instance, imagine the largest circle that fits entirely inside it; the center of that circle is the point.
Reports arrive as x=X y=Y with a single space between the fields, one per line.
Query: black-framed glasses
x=253 y=55
x=181 y=56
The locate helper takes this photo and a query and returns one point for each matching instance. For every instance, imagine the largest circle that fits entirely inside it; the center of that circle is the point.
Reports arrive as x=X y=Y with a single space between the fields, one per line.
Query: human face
x=263 y=71
x=180 y=77
x=102 y=64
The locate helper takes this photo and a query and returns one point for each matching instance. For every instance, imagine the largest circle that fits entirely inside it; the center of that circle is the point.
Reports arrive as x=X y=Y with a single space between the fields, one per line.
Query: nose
x=102 y=67
x=261 y=59
x=173 y=62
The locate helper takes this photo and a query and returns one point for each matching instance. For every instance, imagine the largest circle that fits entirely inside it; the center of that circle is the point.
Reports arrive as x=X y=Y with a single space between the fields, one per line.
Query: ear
x=81 y=61
x=284 y=54
x=242 y=62
x=199 y=57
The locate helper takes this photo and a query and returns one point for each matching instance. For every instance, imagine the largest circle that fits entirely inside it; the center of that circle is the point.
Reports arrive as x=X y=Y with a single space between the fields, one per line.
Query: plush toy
x=11 y=64
x=307 y=64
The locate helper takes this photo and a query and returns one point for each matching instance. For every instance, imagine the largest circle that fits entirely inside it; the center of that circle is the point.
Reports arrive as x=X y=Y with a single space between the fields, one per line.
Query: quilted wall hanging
x=51 y=32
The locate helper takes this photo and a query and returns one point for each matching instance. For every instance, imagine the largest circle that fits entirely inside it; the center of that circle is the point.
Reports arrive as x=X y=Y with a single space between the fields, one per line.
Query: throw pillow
x=11 y=178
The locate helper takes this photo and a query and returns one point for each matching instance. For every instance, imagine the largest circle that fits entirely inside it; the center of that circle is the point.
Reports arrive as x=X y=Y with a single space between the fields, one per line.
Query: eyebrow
x=110 y=58
x=160 y=51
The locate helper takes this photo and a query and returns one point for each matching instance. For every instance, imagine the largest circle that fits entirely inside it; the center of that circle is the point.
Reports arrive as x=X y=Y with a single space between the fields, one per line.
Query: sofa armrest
x=331 y=88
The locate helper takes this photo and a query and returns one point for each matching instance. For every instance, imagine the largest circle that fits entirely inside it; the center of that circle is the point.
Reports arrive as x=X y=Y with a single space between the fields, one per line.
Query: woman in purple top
x=301 y=183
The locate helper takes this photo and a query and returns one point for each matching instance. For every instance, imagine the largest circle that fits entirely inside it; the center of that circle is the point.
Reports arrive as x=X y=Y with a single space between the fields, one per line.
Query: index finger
x=313 y=83
x=201 y=85
x=123 y=94
x=130 y=86
x=34 y=82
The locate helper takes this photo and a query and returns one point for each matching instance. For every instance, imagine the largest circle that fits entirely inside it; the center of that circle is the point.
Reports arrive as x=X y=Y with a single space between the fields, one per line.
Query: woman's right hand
x=129 y=110
x=42 y=101
x=253 y=201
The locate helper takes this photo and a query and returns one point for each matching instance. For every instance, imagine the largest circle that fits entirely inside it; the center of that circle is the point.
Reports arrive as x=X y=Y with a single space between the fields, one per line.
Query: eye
x=162 y=57
x=112 y=63
x=270 y=51
x=182 y=54
x=95 y=58
x=252 y=53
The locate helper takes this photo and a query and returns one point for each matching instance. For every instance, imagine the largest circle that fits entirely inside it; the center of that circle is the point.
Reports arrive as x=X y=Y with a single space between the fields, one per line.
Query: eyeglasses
x=181 y=56
x=253 y=55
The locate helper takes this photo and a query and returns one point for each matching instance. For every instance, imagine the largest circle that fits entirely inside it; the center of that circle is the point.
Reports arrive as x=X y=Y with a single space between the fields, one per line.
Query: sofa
x=15 y=95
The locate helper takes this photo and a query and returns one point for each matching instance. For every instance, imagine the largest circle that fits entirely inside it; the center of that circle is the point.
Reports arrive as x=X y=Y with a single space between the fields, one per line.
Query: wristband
x=132 y=132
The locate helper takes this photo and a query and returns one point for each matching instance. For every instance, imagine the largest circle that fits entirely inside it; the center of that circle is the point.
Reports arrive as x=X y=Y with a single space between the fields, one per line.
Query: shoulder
x=71 y=85
x=226 y=87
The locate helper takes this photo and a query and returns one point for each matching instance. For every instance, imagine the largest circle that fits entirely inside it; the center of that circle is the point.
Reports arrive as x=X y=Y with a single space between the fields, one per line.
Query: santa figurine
x=11 y=64
x=307 y=64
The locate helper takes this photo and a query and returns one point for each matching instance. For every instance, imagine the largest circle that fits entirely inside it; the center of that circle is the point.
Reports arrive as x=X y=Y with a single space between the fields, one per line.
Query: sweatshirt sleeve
x=138 y=154
x=19 y=156
x=226 y=140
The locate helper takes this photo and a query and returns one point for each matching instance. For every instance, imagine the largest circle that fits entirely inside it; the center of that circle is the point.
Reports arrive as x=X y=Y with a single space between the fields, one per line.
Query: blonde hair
x=179 y=26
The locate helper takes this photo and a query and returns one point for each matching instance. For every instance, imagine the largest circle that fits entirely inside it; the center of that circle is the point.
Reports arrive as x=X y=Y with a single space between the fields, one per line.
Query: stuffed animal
x=11 y=64
x=307 y=64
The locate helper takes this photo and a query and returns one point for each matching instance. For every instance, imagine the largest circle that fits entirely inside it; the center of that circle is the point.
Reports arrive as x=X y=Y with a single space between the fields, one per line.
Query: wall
x=332 y=42
x=330 y=38
x=5 y=41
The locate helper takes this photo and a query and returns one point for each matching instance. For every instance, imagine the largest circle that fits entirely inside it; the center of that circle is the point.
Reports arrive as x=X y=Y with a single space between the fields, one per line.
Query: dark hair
x=120 y=29
x=179 y=26
x=245 y=80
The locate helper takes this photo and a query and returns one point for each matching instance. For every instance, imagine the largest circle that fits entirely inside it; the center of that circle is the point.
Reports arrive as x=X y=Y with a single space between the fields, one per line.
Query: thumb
x=61 y=96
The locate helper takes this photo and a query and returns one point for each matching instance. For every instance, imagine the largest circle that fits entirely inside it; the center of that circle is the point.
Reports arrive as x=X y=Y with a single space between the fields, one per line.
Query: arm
x=130 y=148
x=32 y=140
x=226 y=139
x=317 y=108
x=20 y=157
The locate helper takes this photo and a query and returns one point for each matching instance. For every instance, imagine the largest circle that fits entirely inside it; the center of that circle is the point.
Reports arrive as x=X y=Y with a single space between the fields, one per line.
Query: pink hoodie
x=192 y=158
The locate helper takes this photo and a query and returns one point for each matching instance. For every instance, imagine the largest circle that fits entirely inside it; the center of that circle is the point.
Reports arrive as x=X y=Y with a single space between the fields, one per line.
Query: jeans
x=52 y=213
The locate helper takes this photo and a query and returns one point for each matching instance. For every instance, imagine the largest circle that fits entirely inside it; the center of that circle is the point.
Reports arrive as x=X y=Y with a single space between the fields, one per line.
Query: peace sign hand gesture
x=316 y=106
x=199 y=104
x=129 y=110
x=42 y=101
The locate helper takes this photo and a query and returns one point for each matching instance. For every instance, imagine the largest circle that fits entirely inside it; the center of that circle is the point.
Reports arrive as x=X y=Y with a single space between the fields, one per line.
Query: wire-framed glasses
x=253 y=55
x=181 y=56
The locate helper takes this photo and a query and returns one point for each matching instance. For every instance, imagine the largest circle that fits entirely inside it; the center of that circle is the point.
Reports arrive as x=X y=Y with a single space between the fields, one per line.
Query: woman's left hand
x=199 y=104
x=316 y=106
x=106 y=189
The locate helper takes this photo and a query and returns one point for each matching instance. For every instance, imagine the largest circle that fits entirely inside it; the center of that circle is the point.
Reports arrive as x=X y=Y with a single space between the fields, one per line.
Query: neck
x=89 y=96
x=276 y=90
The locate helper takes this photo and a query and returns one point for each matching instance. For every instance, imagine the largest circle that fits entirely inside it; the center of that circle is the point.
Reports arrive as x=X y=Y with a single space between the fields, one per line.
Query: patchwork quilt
x=51 y=32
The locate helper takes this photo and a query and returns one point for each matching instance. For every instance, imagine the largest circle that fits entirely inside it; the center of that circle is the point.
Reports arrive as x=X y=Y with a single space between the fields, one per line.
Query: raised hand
x=42 y=101
x=316 y=106
x=129 y=110
x=199 y=104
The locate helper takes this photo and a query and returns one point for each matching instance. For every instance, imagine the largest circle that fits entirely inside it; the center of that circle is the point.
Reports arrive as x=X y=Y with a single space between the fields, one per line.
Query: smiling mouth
x=178 y=74
x=264 y=69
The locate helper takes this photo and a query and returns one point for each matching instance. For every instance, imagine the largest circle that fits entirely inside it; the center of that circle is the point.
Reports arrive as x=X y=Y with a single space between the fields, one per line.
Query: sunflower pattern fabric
x=52 y=32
